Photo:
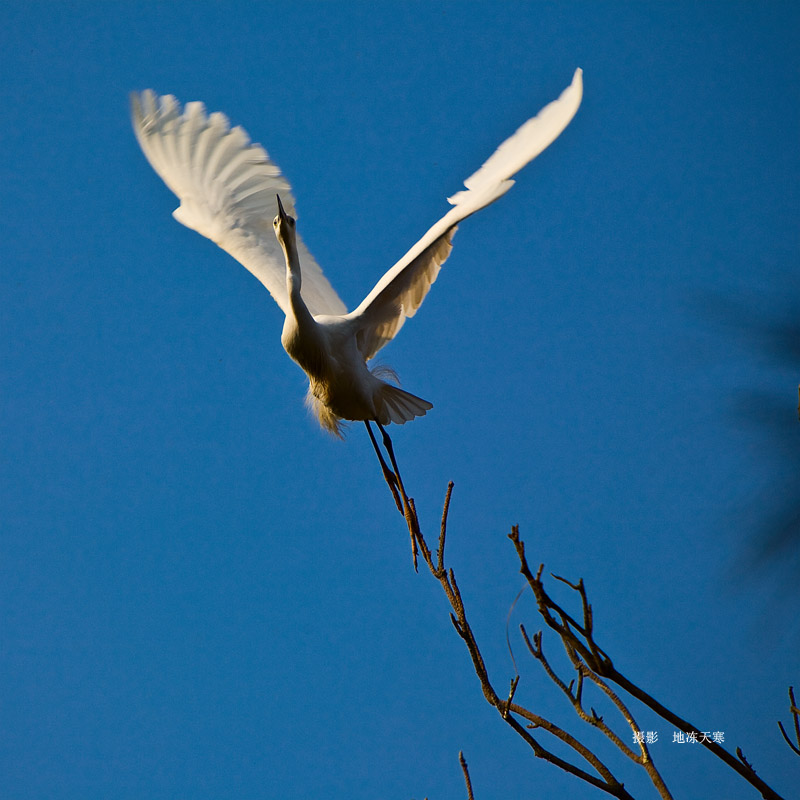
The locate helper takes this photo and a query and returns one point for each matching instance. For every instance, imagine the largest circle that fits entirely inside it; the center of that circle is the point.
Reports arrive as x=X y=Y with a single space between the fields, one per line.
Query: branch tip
x=465 y=770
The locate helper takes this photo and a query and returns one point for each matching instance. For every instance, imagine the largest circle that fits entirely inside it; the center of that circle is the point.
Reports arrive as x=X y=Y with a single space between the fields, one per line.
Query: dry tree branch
x=590 y=662
x=465 y=770
x=795 y=712
x=579 y=639
x=604 y=779
x=575 y=697
x=643 y=759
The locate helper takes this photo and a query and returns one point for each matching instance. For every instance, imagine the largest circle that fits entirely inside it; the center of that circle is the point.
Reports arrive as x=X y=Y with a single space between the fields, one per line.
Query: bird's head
x=283 y=224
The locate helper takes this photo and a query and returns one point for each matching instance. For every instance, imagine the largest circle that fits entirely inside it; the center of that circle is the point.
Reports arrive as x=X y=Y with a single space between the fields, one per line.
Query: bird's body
x=229 y=190
x=341 y=386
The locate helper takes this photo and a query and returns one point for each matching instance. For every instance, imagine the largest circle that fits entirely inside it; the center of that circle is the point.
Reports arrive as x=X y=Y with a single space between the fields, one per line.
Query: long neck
x=301 y=337
x=294 y=282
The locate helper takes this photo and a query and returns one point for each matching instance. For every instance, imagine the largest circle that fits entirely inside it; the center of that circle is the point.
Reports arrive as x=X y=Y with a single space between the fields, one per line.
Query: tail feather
x=399 y=406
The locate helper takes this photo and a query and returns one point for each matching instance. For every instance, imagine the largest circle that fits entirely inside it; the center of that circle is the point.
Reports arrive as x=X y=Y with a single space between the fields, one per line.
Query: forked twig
x=602 y=777
x=795 y=712
x=579 y=639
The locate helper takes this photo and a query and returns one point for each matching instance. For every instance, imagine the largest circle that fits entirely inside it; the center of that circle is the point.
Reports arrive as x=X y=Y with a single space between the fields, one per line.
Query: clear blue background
x=204 y=596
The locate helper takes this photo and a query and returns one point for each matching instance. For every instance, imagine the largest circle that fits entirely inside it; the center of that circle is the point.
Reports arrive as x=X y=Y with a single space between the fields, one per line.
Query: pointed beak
x=281 y=213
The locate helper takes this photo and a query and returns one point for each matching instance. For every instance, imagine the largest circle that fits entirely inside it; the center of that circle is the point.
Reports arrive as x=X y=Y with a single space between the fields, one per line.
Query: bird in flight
x=232 y=193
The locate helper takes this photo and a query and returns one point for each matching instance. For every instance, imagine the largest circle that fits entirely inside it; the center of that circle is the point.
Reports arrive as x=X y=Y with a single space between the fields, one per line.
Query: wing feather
x=400 y=292
x=226 y=186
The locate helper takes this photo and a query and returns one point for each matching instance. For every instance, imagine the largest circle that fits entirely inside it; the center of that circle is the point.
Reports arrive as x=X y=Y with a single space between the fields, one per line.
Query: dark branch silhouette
x=795 y=712
x=591 y=665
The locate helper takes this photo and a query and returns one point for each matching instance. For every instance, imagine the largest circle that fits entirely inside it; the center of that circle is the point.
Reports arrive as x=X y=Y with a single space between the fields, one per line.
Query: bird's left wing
x=227 y=189
x=400 y=292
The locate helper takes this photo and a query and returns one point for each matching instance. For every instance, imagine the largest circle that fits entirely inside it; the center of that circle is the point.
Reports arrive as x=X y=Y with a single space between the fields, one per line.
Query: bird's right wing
x=400 y=292
x=227 y=189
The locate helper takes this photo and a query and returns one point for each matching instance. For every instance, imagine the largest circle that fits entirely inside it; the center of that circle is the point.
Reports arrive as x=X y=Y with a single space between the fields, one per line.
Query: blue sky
x=203 y=595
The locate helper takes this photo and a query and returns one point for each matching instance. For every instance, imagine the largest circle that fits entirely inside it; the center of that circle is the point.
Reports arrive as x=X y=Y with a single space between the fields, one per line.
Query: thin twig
x=796 y=719
x=465 y=770
x=443 y=531
x=508 y=623
x=511 y=693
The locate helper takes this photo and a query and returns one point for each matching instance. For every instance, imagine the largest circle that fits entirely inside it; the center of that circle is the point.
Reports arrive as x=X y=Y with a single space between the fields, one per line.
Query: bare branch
x=511 y=694
x=594 y=719
x=443 y=533
x=465 y=770
x=446 y=577
x=590 y=662
x=579 y=640
x=795 y=712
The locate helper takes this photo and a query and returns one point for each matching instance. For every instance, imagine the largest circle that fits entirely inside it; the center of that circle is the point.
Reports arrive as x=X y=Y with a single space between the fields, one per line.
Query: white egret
x=228 y=190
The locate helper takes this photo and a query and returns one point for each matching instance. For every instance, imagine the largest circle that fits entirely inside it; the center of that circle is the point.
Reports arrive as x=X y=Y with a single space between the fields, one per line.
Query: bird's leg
x=387 y=443
x=408 y=511
x=388 y=475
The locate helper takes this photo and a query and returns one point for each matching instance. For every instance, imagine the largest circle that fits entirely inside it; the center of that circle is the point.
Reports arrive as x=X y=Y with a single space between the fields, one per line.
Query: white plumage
x=228 y=190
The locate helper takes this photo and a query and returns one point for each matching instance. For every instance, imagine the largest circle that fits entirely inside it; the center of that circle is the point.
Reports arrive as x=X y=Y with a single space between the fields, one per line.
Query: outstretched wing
x=227 y=189
x=400 y=292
